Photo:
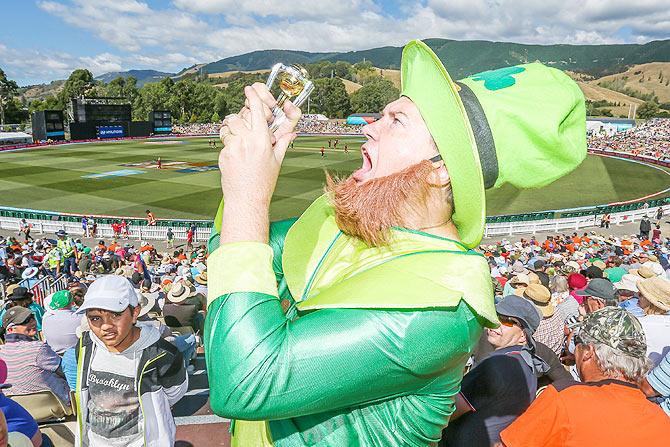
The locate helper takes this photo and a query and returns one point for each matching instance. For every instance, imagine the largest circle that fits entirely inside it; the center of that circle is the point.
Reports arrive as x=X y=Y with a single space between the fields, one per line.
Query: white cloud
x=184 y=32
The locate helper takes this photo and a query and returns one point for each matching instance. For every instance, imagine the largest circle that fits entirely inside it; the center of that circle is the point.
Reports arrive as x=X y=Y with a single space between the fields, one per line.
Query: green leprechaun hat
x=524 y=125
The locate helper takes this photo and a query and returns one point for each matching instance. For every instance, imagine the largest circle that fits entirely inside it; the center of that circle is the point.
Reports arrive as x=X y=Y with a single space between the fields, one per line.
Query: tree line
x=198 y=99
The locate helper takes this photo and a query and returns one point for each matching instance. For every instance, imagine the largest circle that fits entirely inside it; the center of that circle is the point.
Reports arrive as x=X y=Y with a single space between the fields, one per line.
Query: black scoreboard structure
x=104 y=117
x=161 y=121
x=48 y=125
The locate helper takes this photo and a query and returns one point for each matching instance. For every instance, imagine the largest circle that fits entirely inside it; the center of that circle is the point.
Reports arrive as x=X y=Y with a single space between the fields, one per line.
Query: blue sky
x=44 y=40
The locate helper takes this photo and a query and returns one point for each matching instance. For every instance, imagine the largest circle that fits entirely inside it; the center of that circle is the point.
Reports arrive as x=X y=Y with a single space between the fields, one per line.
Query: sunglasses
x=508 y=321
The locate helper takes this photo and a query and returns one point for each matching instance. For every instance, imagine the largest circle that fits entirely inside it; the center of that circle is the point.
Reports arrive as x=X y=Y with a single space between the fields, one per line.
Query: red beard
x=369 y=210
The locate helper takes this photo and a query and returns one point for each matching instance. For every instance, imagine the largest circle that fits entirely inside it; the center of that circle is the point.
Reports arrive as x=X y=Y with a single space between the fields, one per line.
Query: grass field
x=99 y=178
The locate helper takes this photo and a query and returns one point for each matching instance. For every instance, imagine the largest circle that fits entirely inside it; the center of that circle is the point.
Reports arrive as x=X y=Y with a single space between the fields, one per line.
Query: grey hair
x=558 y=284
x=614 y=361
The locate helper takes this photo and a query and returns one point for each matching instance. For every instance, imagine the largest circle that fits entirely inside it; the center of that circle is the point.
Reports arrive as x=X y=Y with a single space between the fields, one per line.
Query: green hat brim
x=426 y=82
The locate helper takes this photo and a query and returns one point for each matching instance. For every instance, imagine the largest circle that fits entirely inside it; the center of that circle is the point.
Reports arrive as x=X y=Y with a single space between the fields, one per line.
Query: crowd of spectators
x=305 y=125
x=585 y=331
x=160 y=293
x=649 y=139
x=575 y=310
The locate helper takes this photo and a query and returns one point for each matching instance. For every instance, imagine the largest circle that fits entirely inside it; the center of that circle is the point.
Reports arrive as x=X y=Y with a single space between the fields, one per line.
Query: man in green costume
x=351 y=325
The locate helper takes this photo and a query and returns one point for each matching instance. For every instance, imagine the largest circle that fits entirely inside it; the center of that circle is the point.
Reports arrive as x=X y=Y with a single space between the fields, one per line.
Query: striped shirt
x=30 y=369
x=659 y=379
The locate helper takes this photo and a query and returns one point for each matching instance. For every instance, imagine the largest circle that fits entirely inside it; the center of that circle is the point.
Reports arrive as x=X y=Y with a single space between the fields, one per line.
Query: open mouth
x=361 y=173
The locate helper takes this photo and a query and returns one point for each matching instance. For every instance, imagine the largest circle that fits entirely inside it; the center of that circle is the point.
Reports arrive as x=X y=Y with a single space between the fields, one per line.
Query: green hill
x=463 y=58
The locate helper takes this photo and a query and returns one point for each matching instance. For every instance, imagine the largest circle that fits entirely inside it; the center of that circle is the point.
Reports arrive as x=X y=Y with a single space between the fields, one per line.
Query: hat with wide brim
x=657 y=291
x=524 y=125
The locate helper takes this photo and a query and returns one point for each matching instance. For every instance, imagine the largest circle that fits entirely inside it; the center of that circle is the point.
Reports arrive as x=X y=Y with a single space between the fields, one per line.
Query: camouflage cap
x=616 y=328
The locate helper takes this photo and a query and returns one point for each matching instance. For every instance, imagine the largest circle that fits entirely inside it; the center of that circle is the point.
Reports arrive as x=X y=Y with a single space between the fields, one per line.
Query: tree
x=78 y=84
x=374 y=95
x=330 y=98
x=215 y=117
x=8 y=89
x=648 y=110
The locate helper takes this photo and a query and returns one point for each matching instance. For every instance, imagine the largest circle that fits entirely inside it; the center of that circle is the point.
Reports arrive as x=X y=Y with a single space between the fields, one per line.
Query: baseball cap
x=523 y=310
x=60 y=299
x=16 y=316
x=616 y=328
x=112 y=292
x=599 y=288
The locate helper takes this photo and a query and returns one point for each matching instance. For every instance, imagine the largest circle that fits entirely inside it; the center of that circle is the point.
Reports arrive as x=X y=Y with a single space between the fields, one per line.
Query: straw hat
x=201 y=278
x=643 y=272
x=657 y=291
x=541 y=297
x=180 y=291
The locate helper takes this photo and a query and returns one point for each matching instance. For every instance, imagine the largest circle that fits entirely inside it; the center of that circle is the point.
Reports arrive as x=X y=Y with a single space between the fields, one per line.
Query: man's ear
x=136 y=313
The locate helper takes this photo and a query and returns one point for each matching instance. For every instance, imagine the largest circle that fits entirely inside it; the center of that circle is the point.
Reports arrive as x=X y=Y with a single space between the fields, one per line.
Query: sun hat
x=146 y=302
x=616 y=328
x=61 y=233
x=518 y=267
x=60 y=300
x=521 y=309
x=18 y=293
x=29 y=273
x=599 y=263
x=541 y=297
x=643 y=272
x=599 y=288
x=628 y=282
x=110 y=292
x=201 y=278
x=655 y=267
x=657 y=291
x=16 y=316
x=180 y=291
x=520 y=278
x=491 y=128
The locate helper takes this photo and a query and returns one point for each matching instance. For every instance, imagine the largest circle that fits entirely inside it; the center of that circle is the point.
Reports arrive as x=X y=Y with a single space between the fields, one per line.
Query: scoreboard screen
x=161 y=121
x=108 y=112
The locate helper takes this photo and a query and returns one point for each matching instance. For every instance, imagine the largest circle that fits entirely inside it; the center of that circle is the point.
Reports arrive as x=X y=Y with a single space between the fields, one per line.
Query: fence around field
x=516 y=224
x=48 y=222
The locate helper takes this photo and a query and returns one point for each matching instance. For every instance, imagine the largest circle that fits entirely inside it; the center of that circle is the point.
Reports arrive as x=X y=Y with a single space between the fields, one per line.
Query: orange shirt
x=577 y=240
x=112 y=247
x=595 y=414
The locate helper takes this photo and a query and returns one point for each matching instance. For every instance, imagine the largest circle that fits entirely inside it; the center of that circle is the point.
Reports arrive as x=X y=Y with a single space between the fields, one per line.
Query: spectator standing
x=32 y=365
x=25 y=229
x=125 y=232
x=151 y=219
x=129 y=376
x=170 y=238
x=611 y=360
x=84 y=226
x=68 y=252
x=645 y=227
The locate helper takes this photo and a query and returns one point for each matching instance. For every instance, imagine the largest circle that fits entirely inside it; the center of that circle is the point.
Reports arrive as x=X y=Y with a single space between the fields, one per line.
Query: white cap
x=110 y=292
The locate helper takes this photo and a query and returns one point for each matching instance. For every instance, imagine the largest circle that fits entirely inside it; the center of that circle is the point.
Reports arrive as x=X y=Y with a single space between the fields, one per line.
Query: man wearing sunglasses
x=611 y=356
x=500 y=387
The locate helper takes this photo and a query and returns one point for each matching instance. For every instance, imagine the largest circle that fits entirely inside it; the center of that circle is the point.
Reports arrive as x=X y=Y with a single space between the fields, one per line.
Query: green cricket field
x=122 y=179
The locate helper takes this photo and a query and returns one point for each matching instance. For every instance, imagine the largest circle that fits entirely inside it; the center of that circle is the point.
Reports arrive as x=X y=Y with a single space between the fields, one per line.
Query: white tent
x=7 y=138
